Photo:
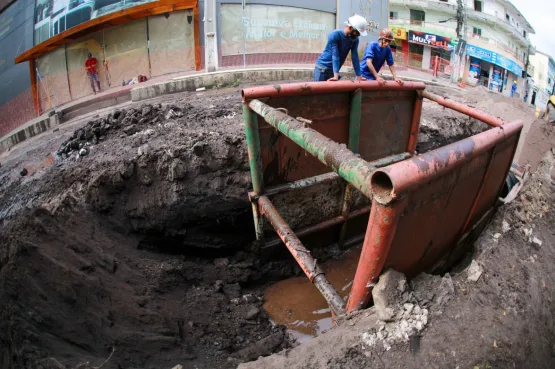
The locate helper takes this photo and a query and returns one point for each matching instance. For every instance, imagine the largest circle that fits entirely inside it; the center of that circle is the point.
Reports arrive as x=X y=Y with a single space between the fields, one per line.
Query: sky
x=541 y=16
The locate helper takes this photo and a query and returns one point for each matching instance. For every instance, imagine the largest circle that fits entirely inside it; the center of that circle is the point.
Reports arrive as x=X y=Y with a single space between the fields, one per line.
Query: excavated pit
x=140 y=239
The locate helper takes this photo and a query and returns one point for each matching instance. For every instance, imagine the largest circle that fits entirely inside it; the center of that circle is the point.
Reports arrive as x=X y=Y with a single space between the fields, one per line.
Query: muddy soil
x=139 y=238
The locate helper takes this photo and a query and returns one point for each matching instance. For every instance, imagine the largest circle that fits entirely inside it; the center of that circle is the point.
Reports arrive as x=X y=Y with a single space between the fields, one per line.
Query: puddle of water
x=297 y=304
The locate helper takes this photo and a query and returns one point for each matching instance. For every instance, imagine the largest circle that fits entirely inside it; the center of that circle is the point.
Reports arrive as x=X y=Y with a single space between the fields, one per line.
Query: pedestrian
x=340 y=42
x=549 y=114
x=90 y=67
x=513 y=88
x=376 y=54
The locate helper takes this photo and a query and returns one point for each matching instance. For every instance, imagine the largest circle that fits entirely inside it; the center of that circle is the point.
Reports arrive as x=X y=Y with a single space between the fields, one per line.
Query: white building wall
x=540 y=64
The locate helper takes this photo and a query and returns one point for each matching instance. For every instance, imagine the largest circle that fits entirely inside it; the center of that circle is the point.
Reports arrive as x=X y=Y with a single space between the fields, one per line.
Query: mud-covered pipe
x=377 y=242
x=302 y=256
x=461 y=108
x=315 y=88
x=391 y=182
x=340 y=159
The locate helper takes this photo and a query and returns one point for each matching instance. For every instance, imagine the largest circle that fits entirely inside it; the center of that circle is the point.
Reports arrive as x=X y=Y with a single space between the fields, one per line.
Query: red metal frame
x=462 y=179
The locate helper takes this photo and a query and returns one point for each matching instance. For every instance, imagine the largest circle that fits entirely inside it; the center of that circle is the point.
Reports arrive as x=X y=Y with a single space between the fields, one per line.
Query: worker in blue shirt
x=340 y=42
x=376 y=54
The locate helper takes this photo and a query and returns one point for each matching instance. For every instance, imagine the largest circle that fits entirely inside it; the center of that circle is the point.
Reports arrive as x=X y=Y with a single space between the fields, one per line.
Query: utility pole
x=460 y=51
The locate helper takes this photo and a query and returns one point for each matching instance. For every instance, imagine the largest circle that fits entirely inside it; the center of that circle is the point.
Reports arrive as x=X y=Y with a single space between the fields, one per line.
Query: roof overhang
x=108 y=20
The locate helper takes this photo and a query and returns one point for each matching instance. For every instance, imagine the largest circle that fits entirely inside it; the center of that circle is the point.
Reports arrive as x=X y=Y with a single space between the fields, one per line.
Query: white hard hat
x=359 y=23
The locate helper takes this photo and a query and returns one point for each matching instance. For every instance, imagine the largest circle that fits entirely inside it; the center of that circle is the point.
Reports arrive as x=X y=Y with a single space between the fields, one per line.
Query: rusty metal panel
x=386 y=120
x=385 y=123
x=285 y=161
x=434 y=217
x=495 y=179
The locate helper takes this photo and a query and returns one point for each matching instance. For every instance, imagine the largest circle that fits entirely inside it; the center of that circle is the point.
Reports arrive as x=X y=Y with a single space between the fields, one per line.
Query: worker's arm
x=356 y=60
x=368 y=56
x=334 y=57
x=394 y=74
x=391 y=63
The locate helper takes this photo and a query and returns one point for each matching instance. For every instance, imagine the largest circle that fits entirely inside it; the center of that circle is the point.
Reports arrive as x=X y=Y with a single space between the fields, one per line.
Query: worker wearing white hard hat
x=340 y=43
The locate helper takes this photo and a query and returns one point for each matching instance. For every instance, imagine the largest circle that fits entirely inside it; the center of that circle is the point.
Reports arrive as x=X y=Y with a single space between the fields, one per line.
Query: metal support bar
x=318 y=88
x=302 y=256
x=340 y=159
x=324 y=225
x=354 y=139
x=255 y=163
x=297 y=185
x=461 y=108
x=415 y=126
x=379 y=236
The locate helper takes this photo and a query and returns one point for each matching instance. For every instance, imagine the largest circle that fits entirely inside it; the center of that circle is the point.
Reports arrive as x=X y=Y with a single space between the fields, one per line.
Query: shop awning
x=112 y=19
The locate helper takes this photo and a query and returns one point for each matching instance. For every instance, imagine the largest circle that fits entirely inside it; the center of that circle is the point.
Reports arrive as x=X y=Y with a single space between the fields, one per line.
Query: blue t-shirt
x=336 y=52
x=378 y=55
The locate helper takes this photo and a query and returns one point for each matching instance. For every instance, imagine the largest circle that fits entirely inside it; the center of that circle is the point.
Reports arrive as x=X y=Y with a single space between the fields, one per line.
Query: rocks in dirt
x=23 y=172
x=221 y=262
x=131 y=129
x=252 y=313
x=263 y=347
x=178 y=366
x=474 y=271
x=505 y=227
x=177 y=170
x=232 y=291
x=388 y=294
x=143 y=150
x=537 y=241
x=84 y=152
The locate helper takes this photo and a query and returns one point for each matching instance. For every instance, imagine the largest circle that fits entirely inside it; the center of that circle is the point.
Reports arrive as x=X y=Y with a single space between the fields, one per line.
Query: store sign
x=494 y=58
x=55 y=16
x=423 y=38
x=399 y=33
x=273 y=29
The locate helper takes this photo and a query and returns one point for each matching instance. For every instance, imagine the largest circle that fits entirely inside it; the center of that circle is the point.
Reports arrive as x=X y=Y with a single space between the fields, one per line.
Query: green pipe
x=340 y=159
x=253 y=145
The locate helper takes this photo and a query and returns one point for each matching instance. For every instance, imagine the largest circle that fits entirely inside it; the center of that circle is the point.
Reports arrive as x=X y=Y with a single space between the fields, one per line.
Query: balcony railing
x=443 y=30
x=452 y=9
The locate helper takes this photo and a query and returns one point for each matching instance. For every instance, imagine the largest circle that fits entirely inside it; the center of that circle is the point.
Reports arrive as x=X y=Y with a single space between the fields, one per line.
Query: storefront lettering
x=268 y=28
x=428 y=39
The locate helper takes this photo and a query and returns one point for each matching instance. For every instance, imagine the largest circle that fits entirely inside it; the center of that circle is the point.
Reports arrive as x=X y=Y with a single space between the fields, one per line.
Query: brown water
x=297 y=303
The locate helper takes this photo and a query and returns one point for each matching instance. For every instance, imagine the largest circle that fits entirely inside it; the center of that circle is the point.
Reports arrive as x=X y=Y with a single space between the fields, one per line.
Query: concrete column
x=427 y=57
x=210 y=38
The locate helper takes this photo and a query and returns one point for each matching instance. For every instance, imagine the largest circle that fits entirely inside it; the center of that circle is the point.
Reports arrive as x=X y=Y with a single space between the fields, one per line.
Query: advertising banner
x=494 y=58
x=274 y=29
x=496 y=78
x=423 y=38
x=55 y=16
x=399 y=33
x=475 y=68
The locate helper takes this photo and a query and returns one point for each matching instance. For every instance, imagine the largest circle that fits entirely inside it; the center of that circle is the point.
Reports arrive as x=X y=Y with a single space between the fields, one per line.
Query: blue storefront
x=491 y=68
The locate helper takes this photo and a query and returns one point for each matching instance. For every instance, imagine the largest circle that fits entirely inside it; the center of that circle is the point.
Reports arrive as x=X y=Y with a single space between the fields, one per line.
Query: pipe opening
x=382 y=187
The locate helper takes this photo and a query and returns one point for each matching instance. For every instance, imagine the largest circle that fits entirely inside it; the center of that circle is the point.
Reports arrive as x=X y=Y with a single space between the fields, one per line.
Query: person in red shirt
x=90 y=66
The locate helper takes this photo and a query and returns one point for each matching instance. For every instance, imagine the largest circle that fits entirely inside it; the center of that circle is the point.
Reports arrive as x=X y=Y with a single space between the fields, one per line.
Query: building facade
x=44 y=43
x=497 y=36
x=543 y=67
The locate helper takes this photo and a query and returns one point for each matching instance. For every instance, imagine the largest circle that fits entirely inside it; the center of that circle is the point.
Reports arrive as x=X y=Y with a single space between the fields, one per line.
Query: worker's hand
x=381 y=81
x=399 y=81
x=333 y=79
x=361 y=78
